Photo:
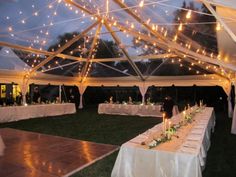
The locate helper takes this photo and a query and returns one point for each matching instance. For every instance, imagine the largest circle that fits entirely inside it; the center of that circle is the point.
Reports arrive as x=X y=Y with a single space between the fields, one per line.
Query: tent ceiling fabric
x=10 y=61
x=41 y=78
x=225 y=3
x=148 y=37
x=226 y=45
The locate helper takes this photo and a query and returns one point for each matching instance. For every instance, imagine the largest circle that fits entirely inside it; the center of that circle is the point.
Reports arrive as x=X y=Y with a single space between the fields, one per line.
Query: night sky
x=39 y=22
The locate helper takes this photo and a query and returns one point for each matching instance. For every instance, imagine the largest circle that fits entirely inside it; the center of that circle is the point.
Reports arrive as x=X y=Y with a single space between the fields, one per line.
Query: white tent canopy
x=10 y=61
x=122 y=22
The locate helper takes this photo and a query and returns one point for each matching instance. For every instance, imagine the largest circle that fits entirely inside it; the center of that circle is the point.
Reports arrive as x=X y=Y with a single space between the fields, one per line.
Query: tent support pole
x=95 y=39
x=60 y=93
x=118 y=42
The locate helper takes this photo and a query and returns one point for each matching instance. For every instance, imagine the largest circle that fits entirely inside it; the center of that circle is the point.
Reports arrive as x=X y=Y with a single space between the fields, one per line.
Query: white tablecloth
x=181 y=157
x=15 y=113
x=130 y=109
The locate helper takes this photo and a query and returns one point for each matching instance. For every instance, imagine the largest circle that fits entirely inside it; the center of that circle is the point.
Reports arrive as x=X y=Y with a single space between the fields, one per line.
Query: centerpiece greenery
x=188 y=118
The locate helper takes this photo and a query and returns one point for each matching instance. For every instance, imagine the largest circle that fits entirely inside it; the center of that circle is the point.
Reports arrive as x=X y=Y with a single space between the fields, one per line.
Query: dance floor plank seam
x=32 y=154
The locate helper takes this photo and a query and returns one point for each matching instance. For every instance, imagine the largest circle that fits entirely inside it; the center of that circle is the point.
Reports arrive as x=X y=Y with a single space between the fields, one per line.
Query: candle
x=184 y=114
x=163 y=122
x=168 y=135
x=188 y=109
x=200 y=103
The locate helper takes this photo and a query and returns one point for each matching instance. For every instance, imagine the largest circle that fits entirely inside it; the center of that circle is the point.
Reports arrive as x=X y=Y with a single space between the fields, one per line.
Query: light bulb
x=175 y=38
x=141 y=3
x=218 y=27
x=180 y=28
x=188 y=15
x=10 y=28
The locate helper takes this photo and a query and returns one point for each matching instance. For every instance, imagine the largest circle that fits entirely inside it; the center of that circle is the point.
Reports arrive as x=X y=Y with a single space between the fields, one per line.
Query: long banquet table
x=183 y=156
x=131 y=109
x=15 y=113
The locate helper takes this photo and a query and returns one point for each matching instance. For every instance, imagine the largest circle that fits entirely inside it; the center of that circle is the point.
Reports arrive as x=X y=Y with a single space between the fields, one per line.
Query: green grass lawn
x=88 y=125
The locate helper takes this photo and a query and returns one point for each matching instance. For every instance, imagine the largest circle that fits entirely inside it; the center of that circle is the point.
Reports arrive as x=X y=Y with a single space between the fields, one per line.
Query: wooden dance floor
x=29 y=154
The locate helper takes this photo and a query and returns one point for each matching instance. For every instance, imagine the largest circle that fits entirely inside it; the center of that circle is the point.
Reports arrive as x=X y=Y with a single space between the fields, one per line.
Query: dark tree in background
x=105 y=49
x=145 y=46
x=81 y=48
x=204 y=34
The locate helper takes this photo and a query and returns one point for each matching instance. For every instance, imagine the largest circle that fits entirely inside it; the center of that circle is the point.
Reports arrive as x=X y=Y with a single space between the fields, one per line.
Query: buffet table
x=15 y=113
x=183 y=156
x=131 y=109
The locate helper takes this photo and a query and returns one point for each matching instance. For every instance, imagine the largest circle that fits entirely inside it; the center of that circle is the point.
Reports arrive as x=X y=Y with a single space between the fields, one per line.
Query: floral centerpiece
x=171 y=130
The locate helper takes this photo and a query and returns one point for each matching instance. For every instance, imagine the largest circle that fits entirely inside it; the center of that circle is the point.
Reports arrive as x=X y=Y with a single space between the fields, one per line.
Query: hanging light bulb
x=218 y=27
x=10 y=28
x=180 y=28
x=141 y=3
x=165 y=34
x=153 y=27
x=175 y=38
x=189 y=13
x=132 y=25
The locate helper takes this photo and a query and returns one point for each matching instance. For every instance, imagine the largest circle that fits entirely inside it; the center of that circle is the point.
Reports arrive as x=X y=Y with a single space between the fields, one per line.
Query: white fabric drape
x=2 y=146
x=143 y=89
x=230 y=106
x=227 y=89
x=233 y=128
x=82 y=89
x=60 y=93
x=24 y=87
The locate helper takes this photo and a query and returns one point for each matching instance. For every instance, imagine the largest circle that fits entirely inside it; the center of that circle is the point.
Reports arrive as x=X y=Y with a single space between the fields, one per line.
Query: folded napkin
x=199 y=127
x=203 y=121
x=188 y=150
x=194 y=137
x=197 y=131
x=191 y=144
